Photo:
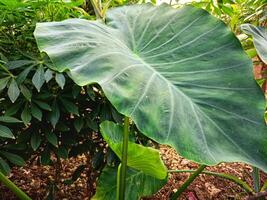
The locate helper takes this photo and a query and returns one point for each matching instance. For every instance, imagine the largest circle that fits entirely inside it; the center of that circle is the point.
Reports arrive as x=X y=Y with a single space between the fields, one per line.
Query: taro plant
x=179 y=75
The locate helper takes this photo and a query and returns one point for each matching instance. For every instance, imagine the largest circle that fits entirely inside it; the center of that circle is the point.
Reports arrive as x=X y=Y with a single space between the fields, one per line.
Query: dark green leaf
x=4 y=167
x=35 y=141
x=62 y=152
x=60 y=79
x=26 y=92
x=54 y=115
x=45 y=157
x=9 y=119
x=13 y=109
x=23 y=75
x=78 y=124
x=26 y=115
x=6 y=132
x=43 y=105
x=52 y=138
x=38 y=78
x=70 y=107
x=13 y=158
x=18 y=63
x=13 y=91
x=3 y=82
x=48 y=75
x=36 y=112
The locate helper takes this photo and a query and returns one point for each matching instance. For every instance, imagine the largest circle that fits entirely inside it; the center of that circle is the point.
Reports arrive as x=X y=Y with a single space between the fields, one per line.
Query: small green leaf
x=26 y=92
x=92 y=124
x=60 y=79
x=23 y=75
x=77 y=173
x=13 y=109
x=78 y=124
x=54 y=115
x=90 y=92
x=70 y=107
x=13 y=158
x=3 y=82
x=18 y=63
x=52 y=138
x=36 y=112
x=45 y=157
x=38 y=78
x=4 y=167
x=62 y=152
x=8 y=119
x=13 y=91
x=43 y=105
x=35 y=141
x=6 y=132
x=26 y=115
x=48 y=75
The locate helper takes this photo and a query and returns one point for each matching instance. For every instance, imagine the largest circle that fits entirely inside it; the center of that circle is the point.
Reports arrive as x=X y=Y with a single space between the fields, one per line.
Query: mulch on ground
x=36 y=180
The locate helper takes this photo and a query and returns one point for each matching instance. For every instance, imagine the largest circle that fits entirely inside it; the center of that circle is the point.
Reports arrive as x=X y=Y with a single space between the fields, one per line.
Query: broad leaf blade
x=259 y=38
x=183 y=78
x=139 y=157
x=138 y=185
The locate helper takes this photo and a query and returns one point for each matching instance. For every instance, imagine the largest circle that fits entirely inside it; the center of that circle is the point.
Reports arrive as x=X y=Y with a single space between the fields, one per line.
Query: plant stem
x=256 y=179
x=229 y=177
x=123 y=169
x=17 y=191
x=188 y=182
x=97 y=9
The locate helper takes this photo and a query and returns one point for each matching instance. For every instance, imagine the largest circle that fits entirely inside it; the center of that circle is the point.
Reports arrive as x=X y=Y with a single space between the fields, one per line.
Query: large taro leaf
x=259 y=38
x=139 y=157
x=180 y=74
x=138 y=185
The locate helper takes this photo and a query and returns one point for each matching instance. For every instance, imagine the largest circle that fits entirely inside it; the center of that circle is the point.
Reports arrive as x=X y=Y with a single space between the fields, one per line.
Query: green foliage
x=59 y=117
x=236 y=12
x=260 y=39
x=163 y=87
x=138 y=185
x=141 y=158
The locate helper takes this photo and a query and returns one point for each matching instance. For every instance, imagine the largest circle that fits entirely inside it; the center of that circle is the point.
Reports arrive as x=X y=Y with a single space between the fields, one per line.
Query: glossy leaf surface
x=138 y=185
x=183 y=78
x=139 y=157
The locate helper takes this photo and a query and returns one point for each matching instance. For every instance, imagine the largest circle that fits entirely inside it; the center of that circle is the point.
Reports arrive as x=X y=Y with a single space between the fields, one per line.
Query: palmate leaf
x=259 y=38
x=138 y=185
x=139 y=157
x=181 y=75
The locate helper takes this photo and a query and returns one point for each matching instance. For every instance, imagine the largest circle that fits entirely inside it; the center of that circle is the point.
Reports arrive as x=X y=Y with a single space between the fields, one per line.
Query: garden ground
x=34 y=179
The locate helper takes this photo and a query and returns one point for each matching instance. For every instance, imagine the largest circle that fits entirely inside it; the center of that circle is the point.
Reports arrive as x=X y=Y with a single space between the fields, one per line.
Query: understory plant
x=179 y=75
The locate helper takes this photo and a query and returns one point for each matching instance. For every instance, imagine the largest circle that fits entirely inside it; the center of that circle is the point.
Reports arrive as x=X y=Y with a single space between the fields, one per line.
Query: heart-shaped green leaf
x=259 y=38
x=138 y=185
x=180 y=74
x=139 y=157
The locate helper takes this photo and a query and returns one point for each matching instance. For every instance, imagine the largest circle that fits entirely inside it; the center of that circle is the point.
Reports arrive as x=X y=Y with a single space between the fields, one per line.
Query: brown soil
x=35 y=180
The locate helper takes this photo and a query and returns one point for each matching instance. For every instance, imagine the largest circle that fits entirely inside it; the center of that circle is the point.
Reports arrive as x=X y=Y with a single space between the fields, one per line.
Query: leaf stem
x=15 y=189
x=191 y=178
x=256 y=179
x=123 y=168
x=97 y=9
x=229 y=177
